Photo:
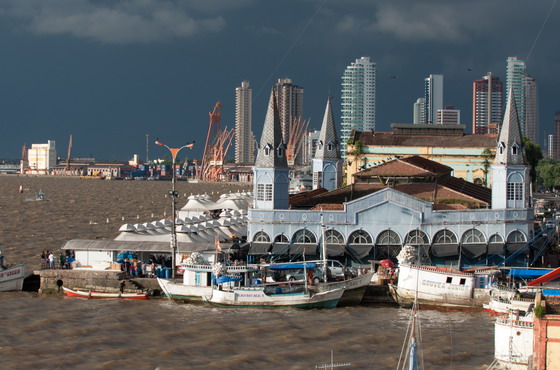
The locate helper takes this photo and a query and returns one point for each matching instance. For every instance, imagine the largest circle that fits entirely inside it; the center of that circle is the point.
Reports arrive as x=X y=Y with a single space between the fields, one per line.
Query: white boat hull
x=12 y=278
x=180 y=291
x=256 y=297
x=354 y=289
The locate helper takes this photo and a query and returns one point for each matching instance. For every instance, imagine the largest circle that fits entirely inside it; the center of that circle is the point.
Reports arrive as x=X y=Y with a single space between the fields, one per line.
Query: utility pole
x=147 y=146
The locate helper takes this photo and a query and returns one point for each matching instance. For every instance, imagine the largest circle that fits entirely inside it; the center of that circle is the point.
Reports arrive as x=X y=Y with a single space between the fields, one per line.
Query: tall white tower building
x=244 y=144
x=531 y=110
x=515 y=80
x=419 y=114
x=433 y=97
x=358 y=98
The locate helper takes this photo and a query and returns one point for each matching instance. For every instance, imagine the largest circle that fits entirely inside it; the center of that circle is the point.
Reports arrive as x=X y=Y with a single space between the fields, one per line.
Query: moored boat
x=354 y=289
x=284 y=295
x=11 y=278
x=197 y=281
x=103 y=295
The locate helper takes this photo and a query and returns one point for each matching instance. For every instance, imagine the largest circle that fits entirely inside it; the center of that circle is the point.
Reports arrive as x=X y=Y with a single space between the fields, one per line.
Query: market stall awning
x=335 y=250
x=136 y=246
x=280 y=248
x=496 y=248
x=258 y=248
x=473 y=250
x=303 y=248
x=444 y=250
x=359 y=251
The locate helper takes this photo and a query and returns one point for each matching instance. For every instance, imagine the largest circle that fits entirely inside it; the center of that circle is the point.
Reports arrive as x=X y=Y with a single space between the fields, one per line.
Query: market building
x=408 y=201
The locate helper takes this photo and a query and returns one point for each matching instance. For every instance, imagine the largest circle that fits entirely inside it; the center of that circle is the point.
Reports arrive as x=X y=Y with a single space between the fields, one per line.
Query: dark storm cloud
x=111 y=71
x=116 y=22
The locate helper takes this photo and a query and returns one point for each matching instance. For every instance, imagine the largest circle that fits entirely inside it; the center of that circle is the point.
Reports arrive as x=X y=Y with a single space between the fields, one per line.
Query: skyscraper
x=555 y=148
x=515 y=79
x=418 y=113
x=487 y=104
x=358 y=98
x=290 y=104
x=244 y=143
x=531 y=110
x=433 y=97
x=448 y=115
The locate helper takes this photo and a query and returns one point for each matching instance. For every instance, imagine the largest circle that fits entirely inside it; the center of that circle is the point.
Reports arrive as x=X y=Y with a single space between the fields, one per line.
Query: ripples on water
x=59 y=332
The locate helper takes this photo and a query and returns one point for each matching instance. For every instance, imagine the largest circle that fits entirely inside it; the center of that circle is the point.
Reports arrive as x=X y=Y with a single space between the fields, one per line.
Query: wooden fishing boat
x=103 y=295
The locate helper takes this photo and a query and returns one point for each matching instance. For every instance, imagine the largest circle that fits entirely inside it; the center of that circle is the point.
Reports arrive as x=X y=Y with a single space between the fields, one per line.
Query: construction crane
x=67 y=168
x=218 y=142
x=295 y=139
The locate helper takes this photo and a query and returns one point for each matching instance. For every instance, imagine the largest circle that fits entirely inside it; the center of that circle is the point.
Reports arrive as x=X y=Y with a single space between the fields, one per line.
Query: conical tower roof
x=511 y=149
x=272 y=151
x=328 y=136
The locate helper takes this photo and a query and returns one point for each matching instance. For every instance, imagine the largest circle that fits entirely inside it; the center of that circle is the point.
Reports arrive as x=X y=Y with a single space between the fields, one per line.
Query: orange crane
x=218 y=142
x=295 y=139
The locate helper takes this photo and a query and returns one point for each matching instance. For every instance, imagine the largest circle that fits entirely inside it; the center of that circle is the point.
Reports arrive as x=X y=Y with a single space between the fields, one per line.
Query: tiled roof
x=328 y=135
x=329 y=207
x=390 y=139
x=452 y=190
x=405 y=167
x=299 y=197
x=271 y=137
x=510 y=135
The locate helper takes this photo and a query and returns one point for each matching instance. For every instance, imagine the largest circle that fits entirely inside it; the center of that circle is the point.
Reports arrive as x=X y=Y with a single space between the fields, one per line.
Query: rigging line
x=289 y=49
x=540 y=31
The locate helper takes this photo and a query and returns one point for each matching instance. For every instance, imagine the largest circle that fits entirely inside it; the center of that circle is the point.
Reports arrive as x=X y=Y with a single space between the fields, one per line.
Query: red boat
x=103 y=295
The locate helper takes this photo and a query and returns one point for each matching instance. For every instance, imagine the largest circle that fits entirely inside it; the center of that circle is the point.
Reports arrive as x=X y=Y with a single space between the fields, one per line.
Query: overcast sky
x=111 y=71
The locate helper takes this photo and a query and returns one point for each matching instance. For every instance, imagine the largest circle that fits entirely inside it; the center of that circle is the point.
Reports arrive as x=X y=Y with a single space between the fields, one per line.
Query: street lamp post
x=173 y=193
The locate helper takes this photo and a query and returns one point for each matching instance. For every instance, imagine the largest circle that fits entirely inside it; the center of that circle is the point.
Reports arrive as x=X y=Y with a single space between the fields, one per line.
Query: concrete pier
x=52 y=281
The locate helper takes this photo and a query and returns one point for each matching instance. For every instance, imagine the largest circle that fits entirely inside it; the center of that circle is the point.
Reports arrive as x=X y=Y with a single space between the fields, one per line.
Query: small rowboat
x=102 y=295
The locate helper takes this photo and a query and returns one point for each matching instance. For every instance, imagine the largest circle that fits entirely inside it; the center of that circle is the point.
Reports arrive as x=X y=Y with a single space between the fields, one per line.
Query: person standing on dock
x=62 y=259
x=51 y=261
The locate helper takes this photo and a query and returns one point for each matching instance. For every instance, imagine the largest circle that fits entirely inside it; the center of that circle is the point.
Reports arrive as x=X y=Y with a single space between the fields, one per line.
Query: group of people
x=50 y=261
x=133 y=267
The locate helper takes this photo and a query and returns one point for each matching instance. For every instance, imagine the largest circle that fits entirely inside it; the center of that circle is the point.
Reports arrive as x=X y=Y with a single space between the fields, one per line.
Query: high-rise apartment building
x=531 y=110
x=555 y=147
x=41 y=157
x=433 y=97
x=290 y=104
x=515 y=79
x=244 y=143
x=448 y=116
x=419 y=113
x=551 y=146
x=358 y=98
x=488 y=104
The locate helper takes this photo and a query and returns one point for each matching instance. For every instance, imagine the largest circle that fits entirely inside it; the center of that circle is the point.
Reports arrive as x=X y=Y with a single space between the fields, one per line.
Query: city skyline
x=158 y=68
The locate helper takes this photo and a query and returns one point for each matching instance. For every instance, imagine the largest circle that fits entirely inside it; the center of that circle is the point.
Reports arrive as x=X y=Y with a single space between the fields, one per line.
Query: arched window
x=516 y=236
x=473 y=236
x=360 y=237
x=417 y=237
x=445 y=237
x=495 y=239
x=261 y=237
x=501 y=148
x=267 y=150
x=281 y=239
x=304 y=236
x=515 y=190
x=388 y=237
x=280 y=151
x=330 y=146
x=333 y=237
x=387 y=245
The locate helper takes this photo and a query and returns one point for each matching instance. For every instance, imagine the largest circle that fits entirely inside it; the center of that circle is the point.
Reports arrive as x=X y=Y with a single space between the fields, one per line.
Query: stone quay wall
x=52 y=281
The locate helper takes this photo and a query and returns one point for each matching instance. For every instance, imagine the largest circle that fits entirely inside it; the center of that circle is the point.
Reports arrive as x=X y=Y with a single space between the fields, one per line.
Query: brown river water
x=57 y=332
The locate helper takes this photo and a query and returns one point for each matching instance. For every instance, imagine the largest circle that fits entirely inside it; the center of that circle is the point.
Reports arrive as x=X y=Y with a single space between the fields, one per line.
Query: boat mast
x=324 y=249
